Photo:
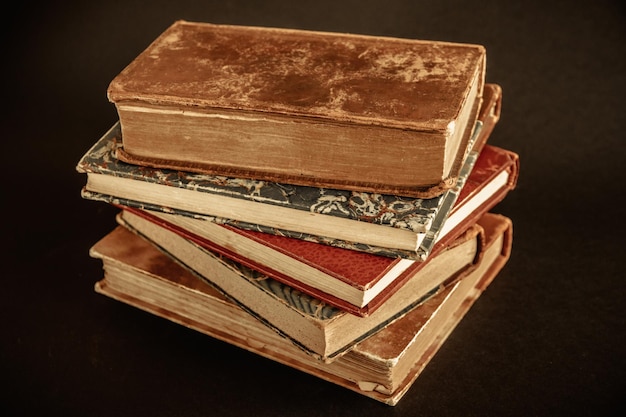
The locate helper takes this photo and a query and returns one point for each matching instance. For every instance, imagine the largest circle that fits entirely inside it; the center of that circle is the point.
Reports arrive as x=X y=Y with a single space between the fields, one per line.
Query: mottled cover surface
x=405 y=83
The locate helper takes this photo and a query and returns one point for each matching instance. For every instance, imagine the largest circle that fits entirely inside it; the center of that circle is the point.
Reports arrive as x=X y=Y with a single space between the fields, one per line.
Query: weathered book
x=382 y=367
x=377 y=223
x=302 y=107
x=319 y=328
x=355 y=281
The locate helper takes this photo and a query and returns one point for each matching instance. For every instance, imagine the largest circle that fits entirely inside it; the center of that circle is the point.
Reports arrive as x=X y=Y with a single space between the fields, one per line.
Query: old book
x=314 y=325
x=302 y=107
x=377 y=223
x=382 y=367
x=355 y=281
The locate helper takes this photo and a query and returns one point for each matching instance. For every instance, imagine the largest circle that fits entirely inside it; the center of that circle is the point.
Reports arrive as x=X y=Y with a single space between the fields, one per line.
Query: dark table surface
x=547 y=337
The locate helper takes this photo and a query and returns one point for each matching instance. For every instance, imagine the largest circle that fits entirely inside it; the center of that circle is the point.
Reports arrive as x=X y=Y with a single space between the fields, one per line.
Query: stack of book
x=319 y=199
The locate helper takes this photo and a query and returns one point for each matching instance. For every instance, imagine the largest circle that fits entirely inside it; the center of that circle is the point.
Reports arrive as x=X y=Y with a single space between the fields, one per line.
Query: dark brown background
x=547 y=338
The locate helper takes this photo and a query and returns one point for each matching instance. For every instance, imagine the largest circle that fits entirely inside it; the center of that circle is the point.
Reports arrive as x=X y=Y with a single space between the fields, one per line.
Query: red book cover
x=374 y=277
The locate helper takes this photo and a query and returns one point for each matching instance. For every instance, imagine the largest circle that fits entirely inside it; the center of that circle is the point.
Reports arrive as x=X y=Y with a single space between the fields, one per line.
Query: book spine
x=450 y=198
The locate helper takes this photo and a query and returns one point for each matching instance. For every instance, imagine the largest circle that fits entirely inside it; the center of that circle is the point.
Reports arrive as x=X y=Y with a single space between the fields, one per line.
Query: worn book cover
x=318 y=327
x=303 y=107
x=382 y=367
x=336 y=217
x=355 y=281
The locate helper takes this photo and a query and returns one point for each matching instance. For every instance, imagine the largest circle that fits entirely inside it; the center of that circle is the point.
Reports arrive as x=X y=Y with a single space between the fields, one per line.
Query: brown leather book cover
x=382 y=367
x=312 y=108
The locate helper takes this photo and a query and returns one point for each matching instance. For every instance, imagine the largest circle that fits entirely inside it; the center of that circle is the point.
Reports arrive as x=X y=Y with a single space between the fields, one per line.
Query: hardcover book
x=314 y=325
x=302 y=107
x=355 y=281
x=382 y=367
x=388 y=225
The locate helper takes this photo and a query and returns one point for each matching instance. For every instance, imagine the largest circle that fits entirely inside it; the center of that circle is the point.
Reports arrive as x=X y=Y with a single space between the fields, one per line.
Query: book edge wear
x=303 y=319
x=412 y=356
x=279 y=251
x=137 y=220
x=320 y=199
x=318 y=212
x=248 y=114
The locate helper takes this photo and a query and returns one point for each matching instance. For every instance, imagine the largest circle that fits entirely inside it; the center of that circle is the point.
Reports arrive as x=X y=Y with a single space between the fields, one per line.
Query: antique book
x=355 y=281
x=314 y=325
x=302 y=107
x=382 y=367
x=377 y=223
